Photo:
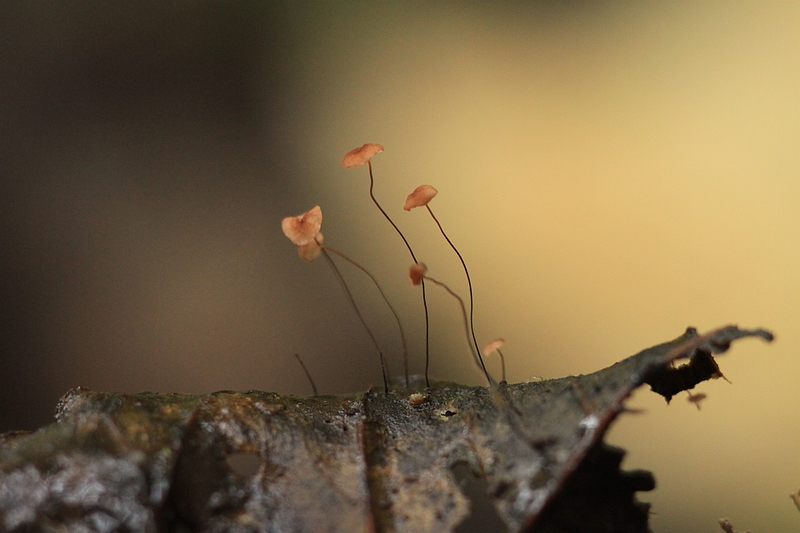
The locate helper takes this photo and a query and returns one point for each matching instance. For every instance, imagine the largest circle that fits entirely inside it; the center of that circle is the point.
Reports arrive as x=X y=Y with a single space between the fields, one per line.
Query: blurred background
x=611 y=173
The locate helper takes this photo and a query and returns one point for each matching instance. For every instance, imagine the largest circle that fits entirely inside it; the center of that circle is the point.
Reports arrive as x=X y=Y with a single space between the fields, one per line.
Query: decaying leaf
x=529 y=456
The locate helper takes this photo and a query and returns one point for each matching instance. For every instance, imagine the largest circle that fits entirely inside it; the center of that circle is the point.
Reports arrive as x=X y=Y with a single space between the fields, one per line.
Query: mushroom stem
x=385 y=299
x=360 y=317
x=475 y=353
x=469 y=283
x=502 y=365
x=414 y=257
x=308 y=374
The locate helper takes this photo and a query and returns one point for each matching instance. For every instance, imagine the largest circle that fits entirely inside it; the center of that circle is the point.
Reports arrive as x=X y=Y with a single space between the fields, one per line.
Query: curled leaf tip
x=303 y=228
x=421 y=196
x=359 y=156
x=416 y=272
x=311 y=250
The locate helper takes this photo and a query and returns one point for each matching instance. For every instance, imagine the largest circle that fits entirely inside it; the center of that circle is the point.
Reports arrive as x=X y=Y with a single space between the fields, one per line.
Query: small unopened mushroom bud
x=416 y=272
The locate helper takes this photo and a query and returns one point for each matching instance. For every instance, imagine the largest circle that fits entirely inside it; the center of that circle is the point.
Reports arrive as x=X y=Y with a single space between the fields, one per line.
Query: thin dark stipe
x=469 y=283
x=385 y=299
x=475 y=354
x=308 y=374
x=414 y=257
x=360 y=317
x=502 y=365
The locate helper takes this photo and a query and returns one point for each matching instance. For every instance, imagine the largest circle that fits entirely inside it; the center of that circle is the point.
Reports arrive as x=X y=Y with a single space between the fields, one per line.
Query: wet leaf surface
x=524 y=456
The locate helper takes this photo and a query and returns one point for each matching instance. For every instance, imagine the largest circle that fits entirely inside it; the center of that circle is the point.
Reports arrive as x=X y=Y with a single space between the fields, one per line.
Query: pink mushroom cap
x=359 y=156
x=421 y=196
x=311 y=250
x=493 y=346
x=303 y=228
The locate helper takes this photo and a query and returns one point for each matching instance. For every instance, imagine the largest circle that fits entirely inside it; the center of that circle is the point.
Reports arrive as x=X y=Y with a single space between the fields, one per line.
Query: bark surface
x=512 y=457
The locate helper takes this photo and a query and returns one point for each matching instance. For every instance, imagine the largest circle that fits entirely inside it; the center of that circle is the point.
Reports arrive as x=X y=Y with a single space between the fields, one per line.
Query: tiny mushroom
x=361 y=155
x=421 y=196
x=493 y=347
x=302 y=229
x=416 y=272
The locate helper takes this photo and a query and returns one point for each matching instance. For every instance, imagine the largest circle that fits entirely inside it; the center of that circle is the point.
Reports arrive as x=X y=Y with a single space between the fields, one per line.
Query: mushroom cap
x=493 y=346
x=416 y=272
x=312 y=249
x=421 y=196
x=359 y=156
x=303 y=228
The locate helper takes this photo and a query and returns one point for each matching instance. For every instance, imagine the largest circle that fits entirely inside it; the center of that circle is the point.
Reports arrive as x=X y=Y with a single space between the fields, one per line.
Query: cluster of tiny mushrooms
x=304 y=231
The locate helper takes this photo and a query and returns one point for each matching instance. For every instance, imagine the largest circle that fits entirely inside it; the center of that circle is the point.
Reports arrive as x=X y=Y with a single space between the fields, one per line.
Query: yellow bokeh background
x=611 y=175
